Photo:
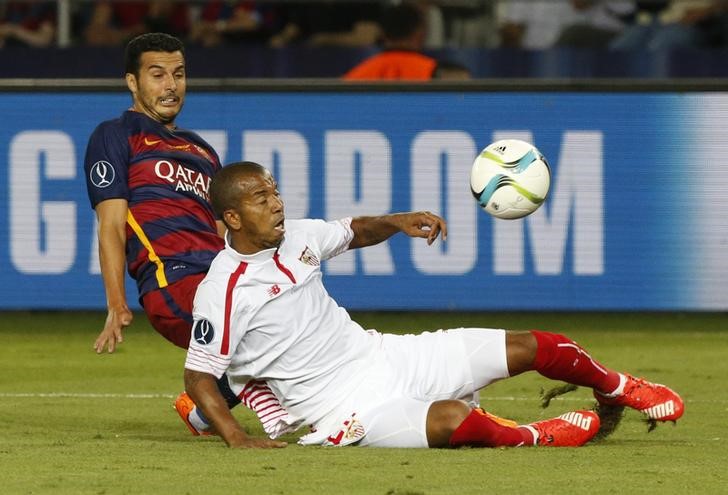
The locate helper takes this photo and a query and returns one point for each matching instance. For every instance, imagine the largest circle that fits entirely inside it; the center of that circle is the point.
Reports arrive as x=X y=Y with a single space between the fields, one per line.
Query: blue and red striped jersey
x=165 y=177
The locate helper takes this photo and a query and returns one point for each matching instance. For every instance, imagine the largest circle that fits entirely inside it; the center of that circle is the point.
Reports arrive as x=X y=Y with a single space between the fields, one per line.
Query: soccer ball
x=510 y=179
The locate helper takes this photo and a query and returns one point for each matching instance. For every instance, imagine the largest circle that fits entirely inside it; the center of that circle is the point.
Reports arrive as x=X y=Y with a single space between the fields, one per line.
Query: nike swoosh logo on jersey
x=151 y=143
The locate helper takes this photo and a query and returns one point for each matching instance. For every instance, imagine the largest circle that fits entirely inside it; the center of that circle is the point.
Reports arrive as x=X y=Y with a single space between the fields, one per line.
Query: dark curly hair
x=149 y=42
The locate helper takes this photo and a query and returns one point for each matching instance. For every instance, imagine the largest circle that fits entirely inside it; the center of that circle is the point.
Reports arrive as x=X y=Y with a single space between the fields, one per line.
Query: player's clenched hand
x=423 y=224
x=116 y=321
x=258 y=443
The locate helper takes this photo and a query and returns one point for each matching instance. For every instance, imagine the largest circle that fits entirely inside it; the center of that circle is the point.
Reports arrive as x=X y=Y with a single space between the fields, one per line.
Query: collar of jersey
x=259 y=257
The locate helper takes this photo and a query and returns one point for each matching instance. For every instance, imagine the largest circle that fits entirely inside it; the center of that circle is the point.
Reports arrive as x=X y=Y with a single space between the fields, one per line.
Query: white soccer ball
x=510 y=179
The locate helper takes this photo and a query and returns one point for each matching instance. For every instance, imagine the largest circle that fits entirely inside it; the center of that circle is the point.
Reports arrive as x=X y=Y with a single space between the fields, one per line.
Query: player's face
x=259 y=215
x=159 y=89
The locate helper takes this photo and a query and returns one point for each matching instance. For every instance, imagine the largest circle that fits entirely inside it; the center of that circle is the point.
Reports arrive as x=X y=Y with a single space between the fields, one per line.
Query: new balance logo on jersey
x=274 y=290
x=309 y=258
x=660 y=410
x=577 y=419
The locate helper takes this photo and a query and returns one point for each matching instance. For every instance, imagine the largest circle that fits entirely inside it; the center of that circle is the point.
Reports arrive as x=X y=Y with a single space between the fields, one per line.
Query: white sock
x=198 y=420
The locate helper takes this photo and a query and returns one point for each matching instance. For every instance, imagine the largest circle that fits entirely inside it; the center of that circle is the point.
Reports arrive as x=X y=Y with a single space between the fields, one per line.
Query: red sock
x=560 y=358
x=478 y=430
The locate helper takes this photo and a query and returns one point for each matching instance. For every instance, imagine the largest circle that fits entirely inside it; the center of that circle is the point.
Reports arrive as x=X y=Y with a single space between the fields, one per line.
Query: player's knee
x=520 y=351
x=443 y=418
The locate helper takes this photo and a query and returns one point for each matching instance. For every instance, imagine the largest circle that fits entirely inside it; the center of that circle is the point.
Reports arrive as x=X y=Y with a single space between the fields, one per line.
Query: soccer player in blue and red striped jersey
x=148 y=181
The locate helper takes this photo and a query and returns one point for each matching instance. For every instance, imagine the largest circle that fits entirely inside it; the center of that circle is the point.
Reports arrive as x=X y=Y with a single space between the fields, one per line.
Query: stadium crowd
x=528 y=24
x=468 y=32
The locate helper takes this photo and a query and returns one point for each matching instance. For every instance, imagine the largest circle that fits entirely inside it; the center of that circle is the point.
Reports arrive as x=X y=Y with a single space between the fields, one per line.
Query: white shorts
x=410 y=373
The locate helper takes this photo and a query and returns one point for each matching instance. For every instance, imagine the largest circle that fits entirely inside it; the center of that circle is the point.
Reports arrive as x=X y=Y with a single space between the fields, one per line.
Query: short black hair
x=149 y=42
x=399 y=22
x=224 y=189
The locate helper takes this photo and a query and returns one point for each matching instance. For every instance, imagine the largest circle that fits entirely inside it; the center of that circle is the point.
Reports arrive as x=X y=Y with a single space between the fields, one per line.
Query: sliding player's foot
x=184 y=406
x=656 y=401
x=572 y=429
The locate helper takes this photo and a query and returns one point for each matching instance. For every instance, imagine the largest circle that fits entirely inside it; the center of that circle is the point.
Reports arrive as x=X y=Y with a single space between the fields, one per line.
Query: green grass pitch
x=73 y=422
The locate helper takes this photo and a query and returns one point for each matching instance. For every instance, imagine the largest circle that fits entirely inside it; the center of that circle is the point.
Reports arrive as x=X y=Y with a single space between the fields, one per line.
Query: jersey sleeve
x=332 y=238
x=106 y=164
x=213 y=340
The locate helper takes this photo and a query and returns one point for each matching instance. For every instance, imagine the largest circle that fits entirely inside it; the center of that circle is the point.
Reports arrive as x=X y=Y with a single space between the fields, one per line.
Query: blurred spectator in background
x=596 y=23
x=712 y=22
x=329 y=23
x=533 y=25
x=404 y=29
x=113 y=23
x=28 y=23
x=664 y=25
x=470 y=23
x=451 y=71
x=540 y=24
x=222 y=21
x=434 y=22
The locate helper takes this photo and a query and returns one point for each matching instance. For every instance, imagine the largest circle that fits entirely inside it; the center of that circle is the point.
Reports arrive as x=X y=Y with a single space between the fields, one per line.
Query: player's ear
x=231 y=219
x=131 y=82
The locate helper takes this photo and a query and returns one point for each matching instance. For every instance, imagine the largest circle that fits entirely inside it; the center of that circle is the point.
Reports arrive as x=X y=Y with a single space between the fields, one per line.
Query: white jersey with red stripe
x=267 y=316
x=257 y=396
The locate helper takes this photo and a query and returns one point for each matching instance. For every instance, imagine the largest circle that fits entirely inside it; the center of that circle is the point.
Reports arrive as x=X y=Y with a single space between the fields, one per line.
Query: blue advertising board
x=634 y=220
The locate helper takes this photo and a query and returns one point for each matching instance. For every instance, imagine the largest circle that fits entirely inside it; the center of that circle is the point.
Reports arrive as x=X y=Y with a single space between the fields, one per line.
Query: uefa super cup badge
x=102 y=174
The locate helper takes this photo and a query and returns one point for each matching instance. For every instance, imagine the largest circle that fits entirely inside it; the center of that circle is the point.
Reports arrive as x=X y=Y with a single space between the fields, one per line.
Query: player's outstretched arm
x=112 y=258
x=373 y=230
x=203 y=390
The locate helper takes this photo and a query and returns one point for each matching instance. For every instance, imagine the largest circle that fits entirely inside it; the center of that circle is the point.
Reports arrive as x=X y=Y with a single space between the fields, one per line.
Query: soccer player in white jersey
x=262 y=312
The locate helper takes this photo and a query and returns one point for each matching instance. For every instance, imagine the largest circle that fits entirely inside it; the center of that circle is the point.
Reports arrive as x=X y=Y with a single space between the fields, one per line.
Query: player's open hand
x=259 y=443
x=111 y=335
x=423 y=224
